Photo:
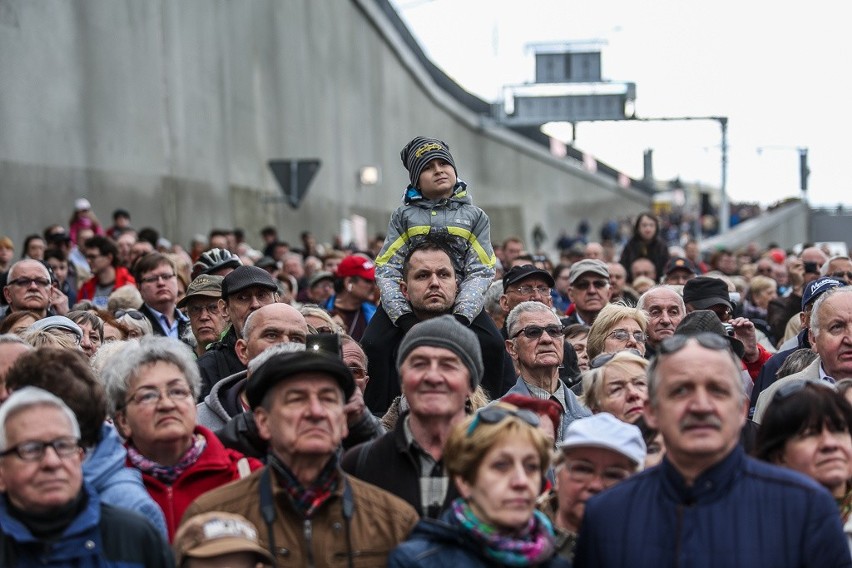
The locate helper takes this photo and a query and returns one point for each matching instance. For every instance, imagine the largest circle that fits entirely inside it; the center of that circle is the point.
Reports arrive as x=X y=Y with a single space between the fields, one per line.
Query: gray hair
x=492 y=298
x=147 y=351
x=528 y=307
x=142 y=325
x=103 y=357
x=643 y=299
x=593 y=379
x=654 y=375
x=94 y=321
x=823 y=298
x=10 y=338
x=272 y=351
x=29 y=397
x=23 y=261
x=824 y=268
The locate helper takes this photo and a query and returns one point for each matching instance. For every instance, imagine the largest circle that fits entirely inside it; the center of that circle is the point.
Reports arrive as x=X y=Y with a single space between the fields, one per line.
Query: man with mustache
x=694 y=508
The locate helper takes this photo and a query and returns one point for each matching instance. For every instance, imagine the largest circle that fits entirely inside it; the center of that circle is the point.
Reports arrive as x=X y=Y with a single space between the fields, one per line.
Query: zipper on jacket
x=309 y=541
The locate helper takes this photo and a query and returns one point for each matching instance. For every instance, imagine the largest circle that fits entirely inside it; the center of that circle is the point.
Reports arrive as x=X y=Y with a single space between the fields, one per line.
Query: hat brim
x=601 y=273
x=205 y=293
x=602 y=445
x=227 y=545
x=705 y=303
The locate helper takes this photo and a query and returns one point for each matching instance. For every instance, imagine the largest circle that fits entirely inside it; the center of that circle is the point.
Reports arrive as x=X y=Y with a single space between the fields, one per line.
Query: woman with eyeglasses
x=617 y=384
x=497 y=459
x=806 y=428
x=616 y=328
x=151 y=390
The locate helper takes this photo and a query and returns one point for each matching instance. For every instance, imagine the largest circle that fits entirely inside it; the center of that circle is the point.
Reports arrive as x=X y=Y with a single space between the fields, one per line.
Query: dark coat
x=219 y=361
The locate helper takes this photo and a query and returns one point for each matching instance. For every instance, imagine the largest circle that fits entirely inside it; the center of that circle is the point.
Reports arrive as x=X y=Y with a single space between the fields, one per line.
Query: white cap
x=82 y=204
x=58 y=322
x=608 y=432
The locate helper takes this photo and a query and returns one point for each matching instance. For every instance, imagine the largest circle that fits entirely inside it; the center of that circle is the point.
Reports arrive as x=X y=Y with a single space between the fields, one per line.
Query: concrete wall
x=786 y=226
x=172 y=110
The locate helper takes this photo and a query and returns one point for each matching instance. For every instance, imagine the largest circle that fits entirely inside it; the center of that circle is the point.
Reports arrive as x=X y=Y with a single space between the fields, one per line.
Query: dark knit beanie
x=420 y=151
x=446 y=332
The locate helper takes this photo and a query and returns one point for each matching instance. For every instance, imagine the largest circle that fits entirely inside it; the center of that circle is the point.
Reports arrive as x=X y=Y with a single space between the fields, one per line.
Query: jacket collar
x=710 y=486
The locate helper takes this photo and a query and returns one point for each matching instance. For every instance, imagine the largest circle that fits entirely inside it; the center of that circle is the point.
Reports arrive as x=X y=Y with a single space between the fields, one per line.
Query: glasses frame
x=586 y=284
x=536 y=331
x=24 y=282
x=644 y=336
x=40 y=448
x=157 y=278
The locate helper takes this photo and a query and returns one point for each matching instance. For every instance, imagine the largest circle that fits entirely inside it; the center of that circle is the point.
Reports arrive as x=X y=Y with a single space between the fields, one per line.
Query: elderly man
x=307 y=511
x=812 y=291
x=244 y=290
x=156 y=278
x=693 y=508
x=440 y=365
x=535 y=345
x=597 y=453
x=839 y=267
x=618 y=284
x=429 y=284
x=589 y=291
x=28 y=287
x=201 y=304
x=665 y=310
x=48 y=515
x=830 y=336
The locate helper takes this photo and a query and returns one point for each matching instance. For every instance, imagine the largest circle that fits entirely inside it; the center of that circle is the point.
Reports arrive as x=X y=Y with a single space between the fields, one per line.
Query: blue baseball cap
x=814 y=289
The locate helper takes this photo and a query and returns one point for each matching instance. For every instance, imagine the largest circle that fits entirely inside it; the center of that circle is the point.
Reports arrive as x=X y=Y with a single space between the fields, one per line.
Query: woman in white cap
x=597 y=452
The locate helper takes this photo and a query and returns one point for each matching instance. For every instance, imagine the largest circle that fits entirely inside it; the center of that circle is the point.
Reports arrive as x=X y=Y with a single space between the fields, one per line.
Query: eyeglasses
x=358 y=372
x=605 y=358
x=134 y=314
x=27 y=282
x=624 y=335
x=721 y=310
x=495 y=414
x=92 y=256
x=196 y=310
x=64 y=447
x=152 y=396
x=586 y=284
x=156 y=278
x=536 y=331
x=841 y=275
x=583 y=472
x=705 y=339
x=530 y=290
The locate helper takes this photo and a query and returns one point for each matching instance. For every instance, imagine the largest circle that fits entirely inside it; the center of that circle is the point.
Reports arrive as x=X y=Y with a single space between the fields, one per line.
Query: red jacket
x=216 y=466
x=122 y=277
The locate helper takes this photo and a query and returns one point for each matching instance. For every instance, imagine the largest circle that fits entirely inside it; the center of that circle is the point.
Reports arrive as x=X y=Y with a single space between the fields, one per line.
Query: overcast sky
x=780 y=71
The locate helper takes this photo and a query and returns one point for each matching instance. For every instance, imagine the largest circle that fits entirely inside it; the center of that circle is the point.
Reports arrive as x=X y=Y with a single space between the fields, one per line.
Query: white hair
x=28 y=397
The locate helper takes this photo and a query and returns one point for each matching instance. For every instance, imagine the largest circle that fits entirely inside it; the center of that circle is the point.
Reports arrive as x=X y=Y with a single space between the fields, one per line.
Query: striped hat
x=420 y=151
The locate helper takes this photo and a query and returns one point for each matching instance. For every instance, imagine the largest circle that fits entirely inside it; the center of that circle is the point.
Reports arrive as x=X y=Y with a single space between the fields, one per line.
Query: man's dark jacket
x=219 y=361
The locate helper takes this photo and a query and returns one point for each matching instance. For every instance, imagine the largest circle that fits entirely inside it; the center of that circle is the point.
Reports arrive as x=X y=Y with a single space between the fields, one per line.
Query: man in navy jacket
x=707 y=503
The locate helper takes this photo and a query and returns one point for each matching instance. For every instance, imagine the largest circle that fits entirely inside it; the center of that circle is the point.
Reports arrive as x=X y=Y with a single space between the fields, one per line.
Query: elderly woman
x=578 y=335
x=319 y=319
x=498 y=459
x=93 y=331
x=617 y=327
x=137 y=324
x=807 y=428
x=617 y=384
x=151 y=390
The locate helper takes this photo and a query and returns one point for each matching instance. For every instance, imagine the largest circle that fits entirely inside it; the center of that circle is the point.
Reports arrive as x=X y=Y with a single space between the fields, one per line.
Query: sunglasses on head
x=605 y=358
x=495 y=414
x=705 y=339
x=135 y=314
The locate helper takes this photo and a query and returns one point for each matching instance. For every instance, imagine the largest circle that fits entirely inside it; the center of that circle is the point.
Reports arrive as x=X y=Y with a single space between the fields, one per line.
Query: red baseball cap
x=356 y=265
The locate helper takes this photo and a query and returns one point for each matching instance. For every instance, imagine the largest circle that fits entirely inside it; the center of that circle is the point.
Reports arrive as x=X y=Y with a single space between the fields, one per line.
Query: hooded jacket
x=212 y=412
x=105 y=470
x=469 y=235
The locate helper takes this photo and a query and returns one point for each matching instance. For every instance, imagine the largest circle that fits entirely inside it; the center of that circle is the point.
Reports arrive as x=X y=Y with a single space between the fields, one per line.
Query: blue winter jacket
x=739 y=513
x=101 y=536
x=105 y=470
x=444 y=544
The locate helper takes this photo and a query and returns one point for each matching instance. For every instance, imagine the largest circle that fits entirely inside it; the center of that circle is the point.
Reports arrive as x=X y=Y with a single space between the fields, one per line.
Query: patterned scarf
x=164 y=473
x=307 y=500
x=532 y=545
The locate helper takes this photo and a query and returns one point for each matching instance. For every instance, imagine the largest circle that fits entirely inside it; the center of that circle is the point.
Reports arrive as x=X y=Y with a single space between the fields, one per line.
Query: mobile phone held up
x=326 y=343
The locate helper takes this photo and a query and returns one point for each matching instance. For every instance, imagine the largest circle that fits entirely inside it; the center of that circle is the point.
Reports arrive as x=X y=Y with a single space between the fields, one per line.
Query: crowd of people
x=438 y=398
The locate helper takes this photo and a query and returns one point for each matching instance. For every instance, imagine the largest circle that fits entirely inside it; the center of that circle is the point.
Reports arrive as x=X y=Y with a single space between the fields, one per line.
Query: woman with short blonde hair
x=617 y=327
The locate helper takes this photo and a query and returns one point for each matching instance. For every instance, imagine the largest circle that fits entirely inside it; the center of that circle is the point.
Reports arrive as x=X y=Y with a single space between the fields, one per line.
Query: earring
x=349 y=288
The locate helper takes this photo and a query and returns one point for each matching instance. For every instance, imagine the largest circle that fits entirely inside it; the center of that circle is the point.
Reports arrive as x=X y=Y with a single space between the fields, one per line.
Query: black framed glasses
x=27 y=282
x=705 y=339
x=624 y=335
x=536 y=331
x=841 y=275
x=64 y=447
x=154 y=278
x=195 y=310
x=586 y=284
x=134 y=314
x=495 y=414
x=605 y=358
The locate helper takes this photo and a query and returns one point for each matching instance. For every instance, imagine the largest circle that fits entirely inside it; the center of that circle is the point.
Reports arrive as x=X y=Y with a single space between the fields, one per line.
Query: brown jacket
x=379 y=523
